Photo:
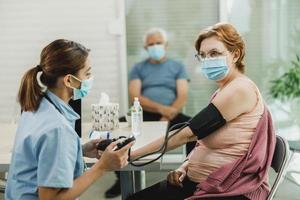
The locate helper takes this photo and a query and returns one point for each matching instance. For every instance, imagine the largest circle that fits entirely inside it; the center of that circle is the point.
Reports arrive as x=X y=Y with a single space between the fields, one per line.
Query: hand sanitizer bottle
x=136 y=117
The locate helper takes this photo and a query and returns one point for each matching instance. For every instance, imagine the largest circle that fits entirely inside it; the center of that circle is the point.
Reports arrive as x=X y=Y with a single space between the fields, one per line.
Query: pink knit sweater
x=245 y=176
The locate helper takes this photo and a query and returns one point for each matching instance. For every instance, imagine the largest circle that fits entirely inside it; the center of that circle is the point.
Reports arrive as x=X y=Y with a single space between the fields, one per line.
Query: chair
x=279 y=163
x=295 y=148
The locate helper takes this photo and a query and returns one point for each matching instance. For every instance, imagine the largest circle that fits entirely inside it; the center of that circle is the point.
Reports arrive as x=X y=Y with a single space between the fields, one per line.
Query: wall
x=27 y=26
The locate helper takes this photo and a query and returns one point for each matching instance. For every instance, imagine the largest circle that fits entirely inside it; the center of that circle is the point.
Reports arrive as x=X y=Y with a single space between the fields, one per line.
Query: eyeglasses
x=211 y=54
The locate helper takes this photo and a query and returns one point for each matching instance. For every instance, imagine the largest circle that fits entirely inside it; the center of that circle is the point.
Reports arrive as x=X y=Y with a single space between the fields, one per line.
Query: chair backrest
x=279 y=163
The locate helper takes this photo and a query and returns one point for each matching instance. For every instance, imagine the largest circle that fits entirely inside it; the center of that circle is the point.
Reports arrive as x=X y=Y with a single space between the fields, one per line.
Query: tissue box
x=105 y=117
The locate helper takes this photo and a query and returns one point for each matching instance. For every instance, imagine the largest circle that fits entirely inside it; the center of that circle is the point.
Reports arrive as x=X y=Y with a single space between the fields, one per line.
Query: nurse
x=47 y=160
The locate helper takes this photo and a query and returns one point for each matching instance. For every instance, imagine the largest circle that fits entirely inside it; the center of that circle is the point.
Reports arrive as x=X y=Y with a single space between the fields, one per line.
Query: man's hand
x=90 y=149
x=176 y=177
x=168 y=112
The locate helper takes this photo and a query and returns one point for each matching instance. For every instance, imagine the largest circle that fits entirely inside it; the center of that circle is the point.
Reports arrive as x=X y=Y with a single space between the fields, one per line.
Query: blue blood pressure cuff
x=206 y=121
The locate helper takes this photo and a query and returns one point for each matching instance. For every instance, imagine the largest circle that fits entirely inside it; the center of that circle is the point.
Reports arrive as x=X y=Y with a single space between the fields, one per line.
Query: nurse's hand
x=176 y=177
x=90 y=149
x=112 y=160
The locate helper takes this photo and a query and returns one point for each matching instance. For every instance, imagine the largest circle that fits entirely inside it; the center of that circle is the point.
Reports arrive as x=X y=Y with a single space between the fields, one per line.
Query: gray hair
x=153 y=31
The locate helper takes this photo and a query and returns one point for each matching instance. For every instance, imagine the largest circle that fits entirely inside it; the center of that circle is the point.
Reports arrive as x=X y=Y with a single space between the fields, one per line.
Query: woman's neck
x=231 y=76
x=61 y=93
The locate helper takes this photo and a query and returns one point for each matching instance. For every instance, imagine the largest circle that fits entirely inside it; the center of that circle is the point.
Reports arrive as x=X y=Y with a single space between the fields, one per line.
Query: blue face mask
x=156 y=52
x=214 y=68
x=84 y=89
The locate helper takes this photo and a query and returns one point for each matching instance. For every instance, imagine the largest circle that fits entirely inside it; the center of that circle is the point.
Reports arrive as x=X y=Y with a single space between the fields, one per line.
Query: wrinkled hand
x=168 y=112
x=112 y=160
x=90 y=149
x=176 y=177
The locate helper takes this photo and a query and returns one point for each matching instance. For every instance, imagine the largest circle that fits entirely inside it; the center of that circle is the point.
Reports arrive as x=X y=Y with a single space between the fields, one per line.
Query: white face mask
x=156 y=52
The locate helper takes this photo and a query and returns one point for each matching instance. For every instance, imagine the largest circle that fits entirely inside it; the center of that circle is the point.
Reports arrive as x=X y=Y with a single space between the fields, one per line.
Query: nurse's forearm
x=181 y=138
x=80 y=184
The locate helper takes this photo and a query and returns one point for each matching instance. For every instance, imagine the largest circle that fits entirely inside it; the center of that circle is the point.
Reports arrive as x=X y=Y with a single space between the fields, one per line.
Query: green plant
x=287 y=86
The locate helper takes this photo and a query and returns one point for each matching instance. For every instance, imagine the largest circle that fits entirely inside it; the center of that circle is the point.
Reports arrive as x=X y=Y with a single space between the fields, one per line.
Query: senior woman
x=234 y=133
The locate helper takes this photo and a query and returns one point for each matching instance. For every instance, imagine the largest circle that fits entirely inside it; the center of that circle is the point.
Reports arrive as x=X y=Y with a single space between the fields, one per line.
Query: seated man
x=161 y=84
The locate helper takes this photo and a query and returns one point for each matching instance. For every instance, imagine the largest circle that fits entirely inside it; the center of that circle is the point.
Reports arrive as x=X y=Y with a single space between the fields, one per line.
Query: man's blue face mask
x=85 y=87
x=214 y=68
x=156 y=52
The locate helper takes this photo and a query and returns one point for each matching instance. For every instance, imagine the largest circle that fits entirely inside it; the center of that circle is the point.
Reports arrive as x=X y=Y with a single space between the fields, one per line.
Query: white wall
x=27 y=26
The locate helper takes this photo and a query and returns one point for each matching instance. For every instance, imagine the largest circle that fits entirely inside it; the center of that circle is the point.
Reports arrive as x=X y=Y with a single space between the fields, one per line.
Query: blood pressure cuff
x=206 y=121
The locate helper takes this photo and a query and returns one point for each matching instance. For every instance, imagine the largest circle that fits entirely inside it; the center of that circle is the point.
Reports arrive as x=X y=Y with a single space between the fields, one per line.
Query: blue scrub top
x=47 y=151
x=159 y=80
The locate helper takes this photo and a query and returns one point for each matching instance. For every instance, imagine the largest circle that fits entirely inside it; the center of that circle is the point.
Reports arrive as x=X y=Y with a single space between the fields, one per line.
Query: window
x=271 y=30
x=182 y=20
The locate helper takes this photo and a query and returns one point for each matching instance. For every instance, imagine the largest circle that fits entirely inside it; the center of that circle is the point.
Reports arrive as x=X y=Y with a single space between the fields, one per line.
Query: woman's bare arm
x=181 y=138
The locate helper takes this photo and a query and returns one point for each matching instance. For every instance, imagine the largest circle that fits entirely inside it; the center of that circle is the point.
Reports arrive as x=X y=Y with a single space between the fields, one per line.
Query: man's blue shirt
x=159 y=80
